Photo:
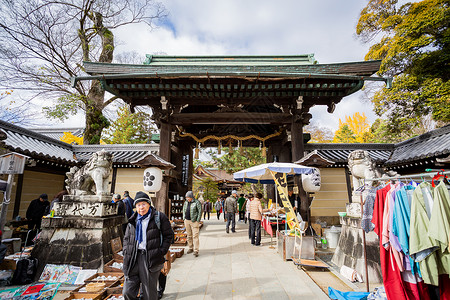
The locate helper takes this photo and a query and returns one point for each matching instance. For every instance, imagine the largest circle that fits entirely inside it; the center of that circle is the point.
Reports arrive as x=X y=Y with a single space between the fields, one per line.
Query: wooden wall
x=129 y=179
x=332 y=196
x=35 y=184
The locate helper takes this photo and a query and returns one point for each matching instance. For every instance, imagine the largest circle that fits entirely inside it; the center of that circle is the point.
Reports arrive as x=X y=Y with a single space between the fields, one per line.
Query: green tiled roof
x=234 y=65
x=158 y=60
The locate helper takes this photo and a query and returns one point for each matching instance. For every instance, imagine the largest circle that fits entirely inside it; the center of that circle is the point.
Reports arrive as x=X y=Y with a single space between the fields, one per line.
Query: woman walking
x=255 y=220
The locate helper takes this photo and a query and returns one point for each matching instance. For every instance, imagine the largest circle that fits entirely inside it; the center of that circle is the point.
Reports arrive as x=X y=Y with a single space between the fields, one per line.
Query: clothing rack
x=429 y=174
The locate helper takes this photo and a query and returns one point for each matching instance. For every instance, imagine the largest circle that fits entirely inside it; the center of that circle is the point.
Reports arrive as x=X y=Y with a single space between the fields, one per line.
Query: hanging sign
x=12 y=163
x=282 y=187
x=185 y=170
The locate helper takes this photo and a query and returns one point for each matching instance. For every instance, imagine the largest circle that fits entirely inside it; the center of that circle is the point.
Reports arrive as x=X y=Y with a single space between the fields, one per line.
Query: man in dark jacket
x=231 y=209
x=121 y=211
x=36 y=210
x=144 y=248
x=128 y=201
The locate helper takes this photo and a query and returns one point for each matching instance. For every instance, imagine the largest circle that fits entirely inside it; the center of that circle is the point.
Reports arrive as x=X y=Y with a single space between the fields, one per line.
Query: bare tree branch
x=43 y=43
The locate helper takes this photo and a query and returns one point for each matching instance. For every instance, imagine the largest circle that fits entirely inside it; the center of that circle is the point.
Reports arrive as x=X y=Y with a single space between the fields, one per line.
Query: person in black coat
x=121 y=211
x=36 y=210
x=144 y=249
x=128 y=202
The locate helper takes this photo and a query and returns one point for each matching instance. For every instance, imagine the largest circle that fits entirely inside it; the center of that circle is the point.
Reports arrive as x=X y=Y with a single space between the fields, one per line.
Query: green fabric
x=440 y=216
x=422 y=247
x=241 y=202
x=196 y=210
x=440 y=225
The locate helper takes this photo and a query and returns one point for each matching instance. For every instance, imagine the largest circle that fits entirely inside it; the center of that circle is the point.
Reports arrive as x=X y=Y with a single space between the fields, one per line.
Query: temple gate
x=242 y=96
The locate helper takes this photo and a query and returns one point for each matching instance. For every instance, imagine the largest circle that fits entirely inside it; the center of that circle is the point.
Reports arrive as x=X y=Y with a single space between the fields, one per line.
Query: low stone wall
x=350 y=250
x=84 y=242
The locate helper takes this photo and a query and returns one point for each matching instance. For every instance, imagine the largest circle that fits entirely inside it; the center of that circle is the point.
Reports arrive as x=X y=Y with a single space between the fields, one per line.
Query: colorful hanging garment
x=392 y=280
x=423 y=248
x=401 y=222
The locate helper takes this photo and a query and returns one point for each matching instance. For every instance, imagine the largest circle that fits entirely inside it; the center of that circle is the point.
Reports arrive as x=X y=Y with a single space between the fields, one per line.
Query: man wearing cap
x=36 y=210
x=144 y=246
x=192 y=213
x=231 y=209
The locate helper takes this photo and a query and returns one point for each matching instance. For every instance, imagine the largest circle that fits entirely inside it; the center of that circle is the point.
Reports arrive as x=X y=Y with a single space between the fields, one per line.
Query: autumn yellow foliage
x=69 y=138
x=355 y=129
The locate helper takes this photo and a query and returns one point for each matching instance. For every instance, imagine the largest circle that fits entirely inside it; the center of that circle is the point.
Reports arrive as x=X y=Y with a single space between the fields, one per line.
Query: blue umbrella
x=261 y=173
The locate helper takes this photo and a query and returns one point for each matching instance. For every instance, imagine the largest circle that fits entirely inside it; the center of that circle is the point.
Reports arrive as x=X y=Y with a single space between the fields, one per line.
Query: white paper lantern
x=152 y=179
x=311 y=182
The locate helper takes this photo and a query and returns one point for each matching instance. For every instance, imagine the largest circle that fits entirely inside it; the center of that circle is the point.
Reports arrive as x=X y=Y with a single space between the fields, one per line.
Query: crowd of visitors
x=148 y=233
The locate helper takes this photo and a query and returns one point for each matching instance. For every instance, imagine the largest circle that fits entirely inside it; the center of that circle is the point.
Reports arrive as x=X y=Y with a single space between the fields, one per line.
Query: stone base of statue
x=350 y=250
x=80 y=233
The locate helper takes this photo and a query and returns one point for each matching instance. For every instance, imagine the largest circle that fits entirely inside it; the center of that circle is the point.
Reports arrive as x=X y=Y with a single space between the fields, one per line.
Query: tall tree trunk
x=95 y=121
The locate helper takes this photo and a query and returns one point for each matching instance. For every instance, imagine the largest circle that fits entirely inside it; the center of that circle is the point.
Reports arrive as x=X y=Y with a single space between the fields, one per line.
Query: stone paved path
x=229 y=267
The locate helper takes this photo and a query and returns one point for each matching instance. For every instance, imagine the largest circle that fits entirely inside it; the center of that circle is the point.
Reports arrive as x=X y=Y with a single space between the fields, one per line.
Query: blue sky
x=235 y=27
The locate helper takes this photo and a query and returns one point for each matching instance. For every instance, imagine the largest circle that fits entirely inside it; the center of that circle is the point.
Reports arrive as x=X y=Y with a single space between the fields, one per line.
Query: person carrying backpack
x=146 y=242
x=128 y=201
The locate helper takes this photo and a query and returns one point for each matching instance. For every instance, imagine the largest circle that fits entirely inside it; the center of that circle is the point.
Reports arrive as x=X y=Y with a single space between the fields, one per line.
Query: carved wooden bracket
x=331 y=107
x=306 y=117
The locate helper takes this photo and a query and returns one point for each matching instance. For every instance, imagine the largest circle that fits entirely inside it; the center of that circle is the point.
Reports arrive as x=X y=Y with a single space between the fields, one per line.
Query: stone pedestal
x=80 y=234
x=350 y=250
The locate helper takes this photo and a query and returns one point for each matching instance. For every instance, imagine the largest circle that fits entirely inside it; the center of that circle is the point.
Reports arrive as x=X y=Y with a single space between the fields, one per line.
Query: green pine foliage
x=129 y=128
x=236 y=160
x=344 y=135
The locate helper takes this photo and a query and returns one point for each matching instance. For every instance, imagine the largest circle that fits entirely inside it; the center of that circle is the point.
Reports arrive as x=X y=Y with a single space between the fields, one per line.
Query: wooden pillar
x=162 y=196
x=18 y=196
x=297 y=153
x=297 y=141
x=113 y=180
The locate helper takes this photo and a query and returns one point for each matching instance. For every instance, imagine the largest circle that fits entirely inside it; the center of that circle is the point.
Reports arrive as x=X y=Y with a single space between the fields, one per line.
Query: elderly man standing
x=230 y=211
x=146 y=242
x=192 y=213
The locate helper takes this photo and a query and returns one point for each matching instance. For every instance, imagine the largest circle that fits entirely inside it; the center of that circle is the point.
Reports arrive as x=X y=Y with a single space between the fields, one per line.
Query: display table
x=269 y=224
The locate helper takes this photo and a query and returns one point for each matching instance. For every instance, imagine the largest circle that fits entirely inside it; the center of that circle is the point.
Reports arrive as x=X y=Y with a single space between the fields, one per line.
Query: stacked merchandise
x=180 y=235
x=98 y=286
x=413 y=224
x=44 y=291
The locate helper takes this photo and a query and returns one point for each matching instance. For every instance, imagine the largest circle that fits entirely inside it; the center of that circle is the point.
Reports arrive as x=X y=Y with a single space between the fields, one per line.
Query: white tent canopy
x=261 y=173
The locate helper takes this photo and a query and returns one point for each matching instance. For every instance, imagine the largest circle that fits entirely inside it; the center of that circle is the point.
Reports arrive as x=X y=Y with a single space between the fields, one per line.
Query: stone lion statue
x=92 y=178
x=362 y=166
